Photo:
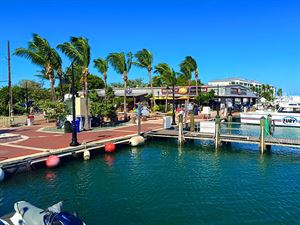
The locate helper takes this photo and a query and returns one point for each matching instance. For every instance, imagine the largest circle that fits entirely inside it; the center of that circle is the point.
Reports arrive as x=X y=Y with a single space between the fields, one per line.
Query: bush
x=156 y=108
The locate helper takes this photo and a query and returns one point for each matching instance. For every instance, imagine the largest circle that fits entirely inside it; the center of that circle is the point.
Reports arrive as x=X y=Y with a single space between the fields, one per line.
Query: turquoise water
x=161 y=183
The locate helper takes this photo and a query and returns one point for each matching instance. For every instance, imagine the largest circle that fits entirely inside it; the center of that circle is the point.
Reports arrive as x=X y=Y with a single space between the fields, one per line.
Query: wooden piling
x=217 y=132
x=180 y=129
x=262 y=144
x=229 y=123
x=192 y=121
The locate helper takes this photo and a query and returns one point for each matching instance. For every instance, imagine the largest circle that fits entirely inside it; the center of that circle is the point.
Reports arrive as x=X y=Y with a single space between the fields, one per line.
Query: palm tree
x=39 y=52
x=102 y=66
x=144 y=60
x=59 y=72
x=189 y=64
x=122 y=65
x=168 y=77
x=79 y=51
x=279 y=92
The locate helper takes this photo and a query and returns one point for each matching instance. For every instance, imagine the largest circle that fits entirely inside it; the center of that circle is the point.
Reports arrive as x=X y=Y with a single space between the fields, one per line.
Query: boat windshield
x=289 y=109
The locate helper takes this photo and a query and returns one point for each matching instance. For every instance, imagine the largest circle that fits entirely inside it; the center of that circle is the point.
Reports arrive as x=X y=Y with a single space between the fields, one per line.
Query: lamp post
x=74 y=141
x=173 y=113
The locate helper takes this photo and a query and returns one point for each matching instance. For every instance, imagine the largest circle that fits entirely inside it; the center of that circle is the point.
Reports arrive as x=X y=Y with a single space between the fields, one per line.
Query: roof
x=234 y=79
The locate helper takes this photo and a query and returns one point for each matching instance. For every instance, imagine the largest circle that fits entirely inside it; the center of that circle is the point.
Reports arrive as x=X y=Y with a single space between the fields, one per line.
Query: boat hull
x=280 y=119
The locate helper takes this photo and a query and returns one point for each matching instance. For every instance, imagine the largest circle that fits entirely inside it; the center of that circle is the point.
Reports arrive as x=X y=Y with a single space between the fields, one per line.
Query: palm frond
x=101 y=65
x=144 y=58
x=117 y=61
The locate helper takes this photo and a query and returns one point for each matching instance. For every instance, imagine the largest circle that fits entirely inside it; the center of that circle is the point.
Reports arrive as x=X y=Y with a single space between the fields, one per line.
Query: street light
x=74 y=141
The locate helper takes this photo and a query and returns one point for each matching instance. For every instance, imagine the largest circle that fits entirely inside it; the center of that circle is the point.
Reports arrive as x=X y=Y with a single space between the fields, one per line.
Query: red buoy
x=110 y=147
x=52 y=161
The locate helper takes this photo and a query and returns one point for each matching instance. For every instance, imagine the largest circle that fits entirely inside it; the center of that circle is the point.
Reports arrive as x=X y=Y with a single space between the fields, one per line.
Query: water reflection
x=50 y=176
x=109 y=159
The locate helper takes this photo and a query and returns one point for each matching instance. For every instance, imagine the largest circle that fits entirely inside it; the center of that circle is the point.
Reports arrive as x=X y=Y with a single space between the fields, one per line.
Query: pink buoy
x=110 y=147
x=52 y=161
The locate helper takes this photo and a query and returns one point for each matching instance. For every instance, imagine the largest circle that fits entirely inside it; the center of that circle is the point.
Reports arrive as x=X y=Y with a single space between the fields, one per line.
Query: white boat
x=287 y=115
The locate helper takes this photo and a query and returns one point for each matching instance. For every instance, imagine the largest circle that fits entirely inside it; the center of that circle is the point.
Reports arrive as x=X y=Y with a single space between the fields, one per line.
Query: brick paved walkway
x=36 y=141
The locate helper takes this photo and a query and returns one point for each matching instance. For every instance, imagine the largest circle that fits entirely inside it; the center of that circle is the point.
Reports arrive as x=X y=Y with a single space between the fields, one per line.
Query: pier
x=228 y=132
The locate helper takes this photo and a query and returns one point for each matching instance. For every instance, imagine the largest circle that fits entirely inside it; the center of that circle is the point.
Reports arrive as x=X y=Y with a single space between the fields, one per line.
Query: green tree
x=205 y=97
x=122 y=65
x=168 y=77
x=95 y=82
x=40 y=52
x=279 y=92
x=79 y=51
x=189 y=64
x=145 y=60
x=102 y=67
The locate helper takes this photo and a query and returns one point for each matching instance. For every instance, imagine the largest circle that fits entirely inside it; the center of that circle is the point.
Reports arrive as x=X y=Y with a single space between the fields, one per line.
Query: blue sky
x=257 y=39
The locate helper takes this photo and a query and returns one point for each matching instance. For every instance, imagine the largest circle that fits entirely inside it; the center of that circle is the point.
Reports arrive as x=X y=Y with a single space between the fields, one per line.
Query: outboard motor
x=62 y=218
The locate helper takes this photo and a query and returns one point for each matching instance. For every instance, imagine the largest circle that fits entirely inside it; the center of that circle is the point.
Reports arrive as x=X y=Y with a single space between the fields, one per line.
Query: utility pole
x=10 y=103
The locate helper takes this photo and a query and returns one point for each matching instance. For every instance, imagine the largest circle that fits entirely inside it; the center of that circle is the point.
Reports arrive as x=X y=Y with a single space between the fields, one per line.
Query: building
x=240 y=81
x=237 y=94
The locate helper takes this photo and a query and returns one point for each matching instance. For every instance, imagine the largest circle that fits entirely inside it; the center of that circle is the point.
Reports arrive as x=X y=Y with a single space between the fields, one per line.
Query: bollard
x=217 y=132
x=192 y=121
x=262 y=135
x=86 y=154
x=180 y=129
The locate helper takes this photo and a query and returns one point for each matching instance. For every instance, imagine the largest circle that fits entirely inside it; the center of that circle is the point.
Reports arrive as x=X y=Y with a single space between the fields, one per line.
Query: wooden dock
x=226 y=138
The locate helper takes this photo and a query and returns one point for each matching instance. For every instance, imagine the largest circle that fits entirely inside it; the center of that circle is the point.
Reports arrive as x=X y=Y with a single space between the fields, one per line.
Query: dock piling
x=192 y=121
x=180 y=129
x=262 y=145
x=217 y=132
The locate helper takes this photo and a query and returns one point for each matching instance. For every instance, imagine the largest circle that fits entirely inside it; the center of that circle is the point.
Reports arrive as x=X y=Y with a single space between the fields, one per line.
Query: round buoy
x=86 y=155
x=2 y=174
x=110 y=147
x=137 y=140
x=52 y=161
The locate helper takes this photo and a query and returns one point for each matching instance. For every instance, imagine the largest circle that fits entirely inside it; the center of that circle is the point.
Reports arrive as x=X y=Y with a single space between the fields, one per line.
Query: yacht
x=287 y=115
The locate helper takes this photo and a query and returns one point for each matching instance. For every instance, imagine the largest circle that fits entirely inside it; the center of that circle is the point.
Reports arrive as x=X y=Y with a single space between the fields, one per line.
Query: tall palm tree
x=40 y=52
x=144 y=60
x=122 y=65
x=190 y=64
x=79 y=51
x=168 y=77
x=102 y=66
x=59 y=72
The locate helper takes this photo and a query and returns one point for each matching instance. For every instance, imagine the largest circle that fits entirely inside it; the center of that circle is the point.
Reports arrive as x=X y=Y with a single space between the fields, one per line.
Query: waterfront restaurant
x=237 y=94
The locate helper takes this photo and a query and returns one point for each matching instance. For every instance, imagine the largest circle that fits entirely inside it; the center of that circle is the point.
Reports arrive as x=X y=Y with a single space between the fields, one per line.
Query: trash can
x=67 y=127
x=77 y=123
x=30 y=120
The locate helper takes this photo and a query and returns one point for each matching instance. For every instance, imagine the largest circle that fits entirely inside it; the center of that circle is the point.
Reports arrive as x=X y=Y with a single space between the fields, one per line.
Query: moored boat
x=287 y=115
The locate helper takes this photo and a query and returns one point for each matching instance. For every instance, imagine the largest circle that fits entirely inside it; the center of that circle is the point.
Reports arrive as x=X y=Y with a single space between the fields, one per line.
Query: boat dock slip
x=233 y=133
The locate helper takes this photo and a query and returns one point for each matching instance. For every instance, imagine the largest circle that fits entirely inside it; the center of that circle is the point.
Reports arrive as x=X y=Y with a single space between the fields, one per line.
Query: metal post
x=217 y=133
x=74 y=141
x=26 y=91
x=173 y=113
x=10 y=101
x=139 y=118
x=262 y=135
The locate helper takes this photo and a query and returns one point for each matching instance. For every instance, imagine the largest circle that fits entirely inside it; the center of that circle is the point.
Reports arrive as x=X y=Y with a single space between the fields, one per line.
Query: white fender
x=86 y=155
x=2 y=174
x=136 y=140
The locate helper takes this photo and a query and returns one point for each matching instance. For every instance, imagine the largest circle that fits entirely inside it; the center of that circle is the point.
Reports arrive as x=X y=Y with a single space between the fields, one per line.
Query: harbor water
x=162 y=183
